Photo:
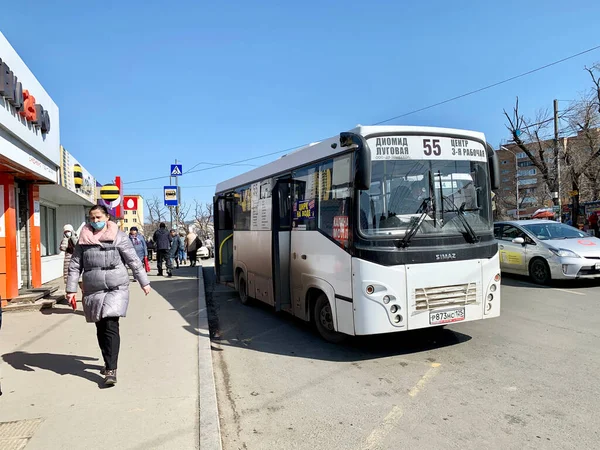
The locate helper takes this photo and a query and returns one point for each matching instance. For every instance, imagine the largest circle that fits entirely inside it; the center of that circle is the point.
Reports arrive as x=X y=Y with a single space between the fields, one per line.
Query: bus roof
x=323 y=149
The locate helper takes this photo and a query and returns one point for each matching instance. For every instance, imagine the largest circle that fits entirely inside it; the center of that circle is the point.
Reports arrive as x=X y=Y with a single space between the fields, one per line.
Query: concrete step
x=29 y=306
x=33 y=295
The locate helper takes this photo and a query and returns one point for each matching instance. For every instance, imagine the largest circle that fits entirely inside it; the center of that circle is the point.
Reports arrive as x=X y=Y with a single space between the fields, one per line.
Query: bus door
x=223 y=207
x=282 y=226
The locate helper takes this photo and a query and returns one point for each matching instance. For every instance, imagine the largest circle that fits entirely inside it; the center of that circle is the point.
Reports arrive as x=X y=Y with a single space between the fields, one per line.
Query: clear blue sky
x=139 y=84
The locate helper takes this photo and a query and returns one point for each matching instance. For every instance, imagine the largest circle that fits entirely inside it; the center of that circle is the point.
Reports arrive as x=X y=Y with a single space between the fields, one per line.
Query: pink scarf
x=108 y=234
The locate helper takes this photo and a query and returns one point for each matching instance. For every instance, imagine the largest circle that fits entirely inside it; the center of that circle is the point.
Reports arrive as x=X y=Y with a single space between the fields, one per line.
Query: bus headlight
x=394 y=309
x=493 y=288
x=398 y=318
x=370 y=289
x=386 y=299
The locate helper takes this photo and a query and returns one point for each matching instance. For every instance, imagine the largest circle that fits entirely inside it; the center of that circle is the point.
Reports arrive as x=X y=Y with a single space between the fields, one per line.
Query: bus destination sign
x=426 y=147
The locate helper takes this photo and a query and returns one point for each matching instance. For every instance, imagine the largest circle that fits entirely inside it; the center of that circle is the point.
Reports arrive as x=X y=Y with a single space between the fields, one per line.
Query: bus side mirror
x=362 y=159
x=494 y=168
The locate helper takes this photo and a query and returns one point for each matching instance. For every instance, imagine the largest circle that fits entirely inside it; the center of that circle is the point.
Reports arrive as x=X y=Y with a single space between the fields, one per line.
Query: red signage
x=130 y=203
x=340 y=229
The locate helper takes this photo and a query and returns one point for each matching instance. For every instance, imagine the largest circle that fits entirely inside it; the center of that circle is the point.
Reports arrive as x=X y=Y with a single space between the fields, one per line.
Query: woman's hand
x=72 y=301
x=146 y=289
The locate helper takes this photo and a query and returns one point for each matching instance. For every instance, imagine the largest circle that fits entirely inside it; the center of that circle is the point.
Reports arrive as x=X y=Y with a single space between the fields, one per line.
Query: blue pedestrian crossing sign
x=171 y=196
x=176 y=170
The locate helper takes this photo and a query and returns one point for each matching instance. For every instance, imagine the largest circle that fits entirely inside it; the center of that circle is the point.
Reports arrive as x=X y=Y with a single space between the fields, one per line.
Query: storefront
x=29 y=160
x=65 y=203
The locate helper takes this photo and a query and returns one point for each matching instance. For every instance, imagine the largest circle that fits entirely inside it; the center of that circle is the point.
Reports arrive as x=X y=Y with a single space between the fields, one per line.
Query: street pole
x=178 y=200
x=517 y=182
x=557 y=156
x=170 y=207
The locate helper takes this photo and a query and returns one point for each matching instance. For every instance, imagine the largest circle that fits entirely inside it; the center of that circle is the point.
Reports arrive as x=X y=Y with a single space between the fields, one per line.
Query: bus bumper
x=409 y=297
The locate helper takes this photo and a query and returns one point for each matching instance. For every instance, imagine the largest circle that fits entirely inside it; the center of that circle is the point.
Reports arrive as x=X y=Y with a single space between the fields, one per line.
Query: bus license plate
x=448 y=316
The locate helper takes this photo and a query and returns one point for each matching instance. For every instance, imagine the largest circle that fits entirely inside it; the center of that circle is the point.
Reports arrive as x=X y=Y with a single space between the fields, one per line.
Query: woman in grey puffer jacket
x=101 y=255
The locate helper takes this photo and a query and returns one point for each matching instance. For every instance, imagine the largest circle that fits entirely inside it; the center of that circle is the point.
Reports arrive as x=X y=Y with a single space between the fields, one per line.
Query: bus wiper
x=403 y=243
x=463 y=220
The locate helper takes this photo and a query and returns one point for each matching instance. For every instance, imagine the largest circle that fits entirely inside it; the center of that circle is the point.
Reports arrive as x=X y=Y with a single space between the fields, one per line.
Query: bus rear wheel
x=323 y=318
x=243 y=289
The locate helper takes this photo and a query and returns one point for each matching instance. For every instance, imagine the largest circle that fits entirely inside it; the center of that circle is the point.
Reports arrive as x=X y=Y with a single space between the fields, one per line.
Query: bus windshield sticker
x=340 y=229
x=304 y=209
x=426 y=147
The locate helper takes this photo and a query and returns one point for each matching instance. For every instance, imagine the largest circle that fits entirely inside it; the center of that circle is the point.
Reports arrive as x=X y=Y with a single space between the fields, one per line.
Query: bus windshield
x=442 y=190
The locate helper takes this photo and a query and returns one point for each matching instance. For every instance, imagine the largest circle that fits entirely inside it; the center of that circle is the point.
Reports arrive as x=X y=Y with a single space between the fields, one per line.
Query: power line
x=489 y=86
x=391 y=118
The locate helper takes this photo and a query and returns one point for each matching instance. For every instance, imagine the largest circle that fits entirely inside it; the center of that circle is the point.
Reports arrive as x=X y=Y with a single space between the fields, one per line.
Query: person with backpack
x=175 y=247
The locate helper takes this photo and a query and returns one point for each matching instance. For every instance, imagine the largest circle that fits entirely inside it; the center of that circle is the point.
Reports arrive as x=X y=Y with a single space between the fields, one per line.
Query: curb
x=210 y=429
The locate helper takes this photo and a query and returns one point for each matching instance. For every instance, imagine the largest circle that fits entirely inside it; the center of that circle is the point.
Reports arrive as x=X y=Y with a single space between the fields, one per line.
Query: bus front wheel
x=323 y=318
x=243 y=289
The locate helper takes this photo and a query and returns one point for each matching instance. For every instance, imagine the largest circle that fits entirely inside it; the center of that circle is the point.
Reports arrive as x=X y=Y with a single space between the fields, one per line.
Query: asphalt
x=53 y=397
x=527 y=379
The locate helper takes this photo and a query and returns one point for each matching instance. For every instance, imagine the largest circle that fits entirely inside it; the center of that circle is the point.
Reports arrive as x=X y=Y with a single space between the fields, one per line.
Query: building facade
x=29 y=159
x=133 y=213
x=67 y=202
x=42 y=187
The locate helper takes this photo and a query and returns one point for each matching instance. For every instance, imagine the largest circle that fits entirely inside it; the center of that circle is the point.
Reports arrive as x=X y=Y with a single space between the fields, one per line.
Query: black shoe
x=160 y=274
x=110 y=377
x=169 y=274
x=103 y=371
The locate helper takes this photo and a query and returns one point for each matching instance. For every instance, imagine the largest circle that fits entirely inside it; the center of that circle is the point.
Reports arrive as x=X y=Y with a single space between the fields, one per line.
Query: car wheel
x=323 y=318
x=539 y=271
x=243 y=289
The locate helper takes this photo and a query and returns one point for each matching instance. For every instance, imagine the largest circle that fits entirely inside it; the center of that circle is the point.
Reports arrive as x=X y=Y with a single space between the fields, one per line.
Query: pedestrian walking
x=100 y=257
x=175 y=247
x=593 y=220
x=139 y=244
x=162 y=239
x=182 y=252
x=192 y=244
x=151 y=246
x=67 y=245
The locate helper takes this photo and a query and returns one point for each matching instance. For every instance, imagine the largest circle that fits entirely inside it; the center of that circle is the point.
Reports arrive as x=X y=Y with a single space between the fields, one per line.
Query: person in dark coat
x=100 y=257
x=162 y=240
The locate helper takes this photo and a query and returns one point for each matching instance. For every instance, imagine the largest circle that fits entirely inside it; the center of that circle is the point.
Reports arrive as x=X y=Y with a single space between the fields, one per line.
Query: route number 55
x=432 y=146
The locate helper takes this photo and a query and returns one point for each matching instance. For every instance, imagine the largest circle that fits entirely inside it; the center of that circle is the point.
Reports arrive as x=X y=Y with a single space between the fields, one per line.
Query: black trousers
x=109 y=340
x=192 y=257
x=163 y=255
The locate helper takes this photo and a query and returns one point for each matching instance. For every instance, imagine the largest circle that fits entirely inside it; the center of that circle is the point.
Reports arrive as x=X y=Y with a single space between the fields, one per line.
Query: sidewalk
x=50 y=372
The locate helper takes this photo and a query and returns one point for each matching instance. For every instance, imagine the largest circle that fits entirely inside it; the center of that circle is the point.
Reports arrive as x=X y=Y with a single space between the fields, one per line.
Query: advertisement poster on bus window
x=304 y=209
x=340 y=229
x=261 y=205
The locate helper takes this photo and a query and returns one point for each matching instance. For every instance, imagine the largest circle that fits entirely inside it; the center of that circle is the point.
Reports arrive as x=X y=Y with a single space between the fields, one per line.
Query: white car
x=203 y=253
x=547 y=250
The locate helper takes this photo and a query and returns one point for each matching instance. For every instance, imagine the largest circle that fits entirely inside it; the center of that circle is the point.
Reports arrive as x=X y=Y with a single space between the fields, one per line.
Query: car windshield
x=402 y=190
x=554 y=230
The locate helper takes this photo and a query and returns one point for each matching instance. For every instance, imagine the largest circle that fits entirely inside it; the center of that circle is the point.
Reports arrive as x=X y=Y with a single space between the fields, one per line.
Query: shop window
x=48 y=231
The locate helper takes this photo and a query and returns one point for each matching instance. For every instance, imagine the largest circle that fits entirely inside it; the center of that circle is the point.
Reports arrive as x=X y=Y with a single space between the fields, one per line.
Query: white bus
x=377 y=230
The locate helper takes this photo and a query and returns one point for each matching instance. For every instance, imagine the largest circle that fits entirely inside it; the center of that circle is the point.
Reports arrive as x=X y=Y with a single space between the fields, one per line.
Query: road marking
x=390 y=421
x=568 y=291
x=435 y=367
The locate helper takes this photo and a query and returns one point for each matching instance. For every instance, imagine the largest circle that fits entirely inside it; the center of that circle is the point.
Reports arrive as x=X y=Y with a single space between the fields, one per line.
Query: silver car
x=547 y=250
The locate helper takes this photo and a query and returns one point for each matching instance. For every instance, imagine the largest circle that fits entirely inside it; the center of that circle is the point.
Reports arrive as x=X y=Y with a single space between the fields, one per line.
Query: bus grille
x=441 y=296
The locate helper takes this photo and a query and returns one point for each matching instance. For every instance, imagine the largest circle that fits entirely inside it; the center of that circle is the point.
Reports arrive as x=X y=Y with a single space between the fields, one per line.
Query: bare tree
x=531 y=137
x=204 y=220
x=181 y=216
x=156 y=213
x=583 y=149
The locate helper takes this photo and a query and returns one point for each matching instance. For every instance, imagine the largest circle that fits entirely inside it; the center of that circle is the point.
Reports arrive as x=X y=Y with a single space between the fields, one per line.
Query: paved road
x=525 y=380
